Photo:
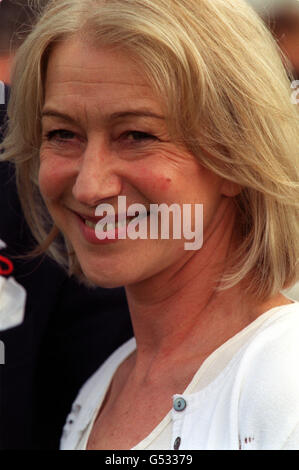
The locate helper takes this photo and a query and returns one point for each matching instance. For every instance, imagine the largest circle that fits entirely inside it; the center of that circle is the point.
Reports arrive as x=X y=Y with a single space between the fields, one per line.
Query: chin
x=105 y=280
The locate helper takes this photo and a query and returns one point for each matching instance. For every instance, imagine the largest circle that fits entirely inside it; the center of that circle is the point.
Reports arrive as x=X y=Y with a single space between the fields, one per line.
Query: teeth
x=110 y=226
x=107 y=227
x=90 y=224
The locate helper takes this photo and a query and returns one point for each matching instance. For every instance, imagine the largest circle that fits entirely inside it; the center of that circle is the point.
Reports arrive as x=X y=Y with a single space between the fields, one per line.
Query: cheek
x=54 y=176
x=153 y=181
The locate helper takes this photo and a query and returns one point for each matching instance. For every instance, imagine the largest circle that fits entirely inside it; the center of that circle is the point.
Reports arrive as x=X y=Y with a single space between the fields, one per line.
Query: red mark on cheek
x=166 y=184
x=163 y=183
x=152 y=179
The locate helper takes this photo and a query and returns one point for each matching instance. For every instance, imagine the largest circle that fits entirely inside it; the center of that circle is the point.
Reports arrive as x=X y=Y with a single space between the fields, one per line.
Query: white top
x=244 y=395
x=12 y=297
x=12 y=303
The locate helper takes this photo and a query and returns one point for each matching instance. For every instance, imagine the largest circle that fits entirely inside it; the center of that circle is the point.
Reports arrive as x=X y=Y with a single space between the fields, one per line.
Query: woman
x=174 y=102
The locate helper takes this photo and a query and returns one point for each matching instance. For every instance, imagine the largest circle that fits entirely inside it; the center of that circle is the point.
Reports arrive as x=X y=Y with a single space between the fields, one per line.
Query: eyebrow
x=111 y=117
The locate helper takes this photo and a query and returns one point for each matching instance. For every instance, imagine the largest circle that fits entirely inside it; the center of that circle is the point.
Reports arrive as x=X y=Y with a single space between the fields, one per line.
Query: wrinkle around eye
x=60 y=149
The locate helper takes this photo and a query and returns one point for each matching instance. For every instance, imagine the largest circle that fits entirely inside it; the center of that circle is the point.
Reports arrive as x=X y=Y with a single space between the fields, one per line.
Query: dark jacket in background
x=68 y=331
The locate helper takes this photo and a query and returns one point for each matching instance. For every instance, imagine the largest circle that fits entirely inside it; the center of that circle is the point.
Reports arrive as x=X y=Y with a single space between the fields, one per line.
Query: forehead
x=78 y=69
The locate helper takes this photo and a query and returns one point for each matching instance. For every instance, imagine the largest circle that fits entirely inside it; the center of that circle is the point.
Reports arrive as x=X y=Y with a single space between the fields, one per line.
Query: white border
x=2 y=93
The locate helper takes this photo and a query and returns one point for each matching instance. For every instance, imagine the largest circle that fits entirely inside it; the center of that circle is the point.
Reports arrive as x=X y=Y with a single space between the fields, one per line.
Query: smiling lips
x=111 y=222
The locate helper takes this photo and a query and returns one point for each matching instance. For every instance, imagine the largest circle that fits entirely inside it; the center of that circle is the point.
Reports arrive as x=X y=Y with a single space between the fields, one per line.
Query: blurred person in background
x=55 y=331
x=15 y=19
x=282 y=17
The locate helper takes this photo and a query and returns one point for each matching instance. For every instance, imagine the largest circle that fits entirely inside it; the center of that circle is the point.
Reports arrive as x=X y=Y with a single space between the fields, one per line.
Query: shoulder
x=101 y=378
x=91 y=396
x=276 y=340
x=268 y=380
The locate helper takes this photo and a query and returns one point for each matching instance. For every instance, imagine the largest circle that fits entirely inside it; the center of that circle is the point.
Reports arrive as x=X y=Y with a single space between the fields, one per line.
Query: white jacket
x=253 y=403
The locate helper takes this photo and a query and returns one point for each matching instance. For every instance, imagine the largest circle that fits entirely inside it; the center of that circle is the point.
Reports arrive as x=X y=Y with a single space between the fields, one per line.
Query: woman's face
x=104 y=136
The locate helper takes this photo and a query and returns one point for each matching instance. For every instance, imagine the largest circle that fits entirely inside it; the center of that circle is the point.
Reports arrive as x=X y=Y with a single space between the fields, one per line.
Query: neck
x=182 y=304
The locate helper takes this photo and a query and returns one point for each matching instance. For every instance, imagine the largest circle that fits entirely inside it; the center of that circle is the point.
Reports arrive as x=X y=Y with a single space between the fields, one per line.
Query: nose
x=97 y=176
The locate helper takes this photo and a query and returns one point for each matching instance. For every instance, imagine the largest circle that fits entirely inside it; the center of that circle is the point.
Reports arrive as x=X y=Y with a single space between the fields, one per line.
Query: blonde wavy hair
x=219 y=72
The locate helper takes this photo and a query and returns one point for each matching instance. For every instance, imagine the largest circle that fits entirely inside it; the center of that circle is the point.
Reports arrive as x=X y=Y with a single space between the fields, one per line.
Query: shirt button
x=179 y=404
x=177 y=443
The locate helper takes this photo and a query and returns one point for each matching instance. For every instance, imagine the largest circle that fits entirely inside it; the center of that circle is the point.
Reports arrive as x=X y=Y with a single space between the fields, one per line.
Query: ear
x=230 y=189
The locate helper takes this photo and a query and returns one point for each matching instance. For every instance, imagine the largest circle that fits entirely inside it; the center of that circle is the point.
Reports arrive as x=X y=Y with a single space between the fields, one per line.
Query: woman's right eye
x=60 y=135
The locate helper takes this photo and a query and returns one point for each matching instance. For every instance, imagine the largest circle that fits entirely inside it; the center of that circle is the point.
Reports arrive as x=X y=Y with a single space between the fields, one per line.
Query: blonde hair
x=228 y=99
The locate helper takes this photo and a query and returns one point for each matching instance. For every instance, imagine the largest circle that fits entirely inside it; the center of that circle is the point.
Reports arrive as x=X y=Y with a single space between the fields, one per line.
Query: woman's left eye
x=138 y=136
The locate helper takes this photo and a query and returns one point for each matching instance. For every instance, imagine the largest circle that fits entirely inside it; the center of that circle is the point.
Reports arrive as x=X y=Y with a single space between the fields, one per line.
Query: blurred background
x=16 y=18
x=280 y=16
